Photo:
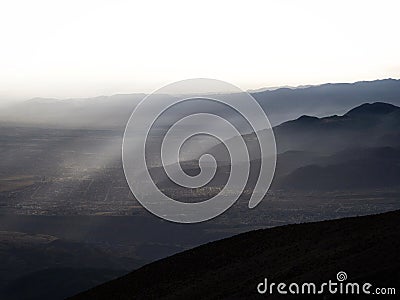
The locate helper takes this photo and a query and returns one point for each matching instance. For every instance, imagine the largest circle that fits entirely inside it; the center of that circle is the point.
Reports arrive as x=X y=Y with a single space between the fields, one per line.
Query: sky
x=85 y=48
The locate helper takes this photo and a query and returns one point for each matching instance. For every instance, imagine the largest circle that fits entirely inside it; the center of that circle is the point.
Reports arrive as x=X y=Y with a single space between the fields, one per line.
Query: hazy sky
x=81 y=48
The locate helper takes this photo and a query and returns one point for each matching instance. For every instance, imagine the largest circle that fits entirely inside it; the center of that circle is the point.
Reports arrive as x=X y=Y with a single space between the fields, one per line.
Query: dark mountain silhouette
x=377 y=108
x=368 y=125
x=366 y=248
x=358 y=150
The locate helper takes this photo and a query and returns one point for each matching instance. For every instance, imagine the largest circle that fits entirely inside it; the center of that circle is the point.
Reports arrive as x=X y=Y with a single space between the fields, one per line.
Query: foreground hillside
x=366 y=248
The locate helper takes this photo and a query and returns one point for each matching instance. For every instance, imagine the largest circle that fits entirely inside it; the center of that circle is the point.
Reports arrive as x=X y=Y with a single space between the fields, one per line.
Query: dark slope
x=56 y=283
x=352 y=175
x=351 y=169
x=366 y=248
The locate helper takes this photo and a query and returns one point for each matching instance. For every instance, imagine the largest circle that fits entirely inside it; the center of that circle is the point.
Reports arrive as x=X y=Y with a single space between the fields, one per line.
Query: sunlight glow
x=93 y=47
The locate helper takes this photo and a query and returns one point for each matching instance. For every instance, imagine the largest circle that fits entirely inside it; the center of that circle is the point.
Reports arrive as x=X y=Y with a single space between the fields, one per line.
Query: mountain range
x=338 y=144
x=282 y=104
x=357 y=150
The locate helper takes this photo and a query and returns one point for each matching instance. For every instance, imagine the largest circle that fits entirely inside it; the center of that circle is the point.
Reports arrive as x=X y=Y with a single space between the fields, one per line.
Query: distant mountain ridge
x=281 y=105
x=326 y=99
x=365 y=125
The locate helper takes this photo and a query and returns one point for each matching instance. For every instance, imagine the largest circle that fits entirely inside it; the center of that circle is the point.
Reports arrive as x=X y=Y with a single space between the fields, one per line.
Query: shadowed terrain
x=366 y=248
x=70 y=222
